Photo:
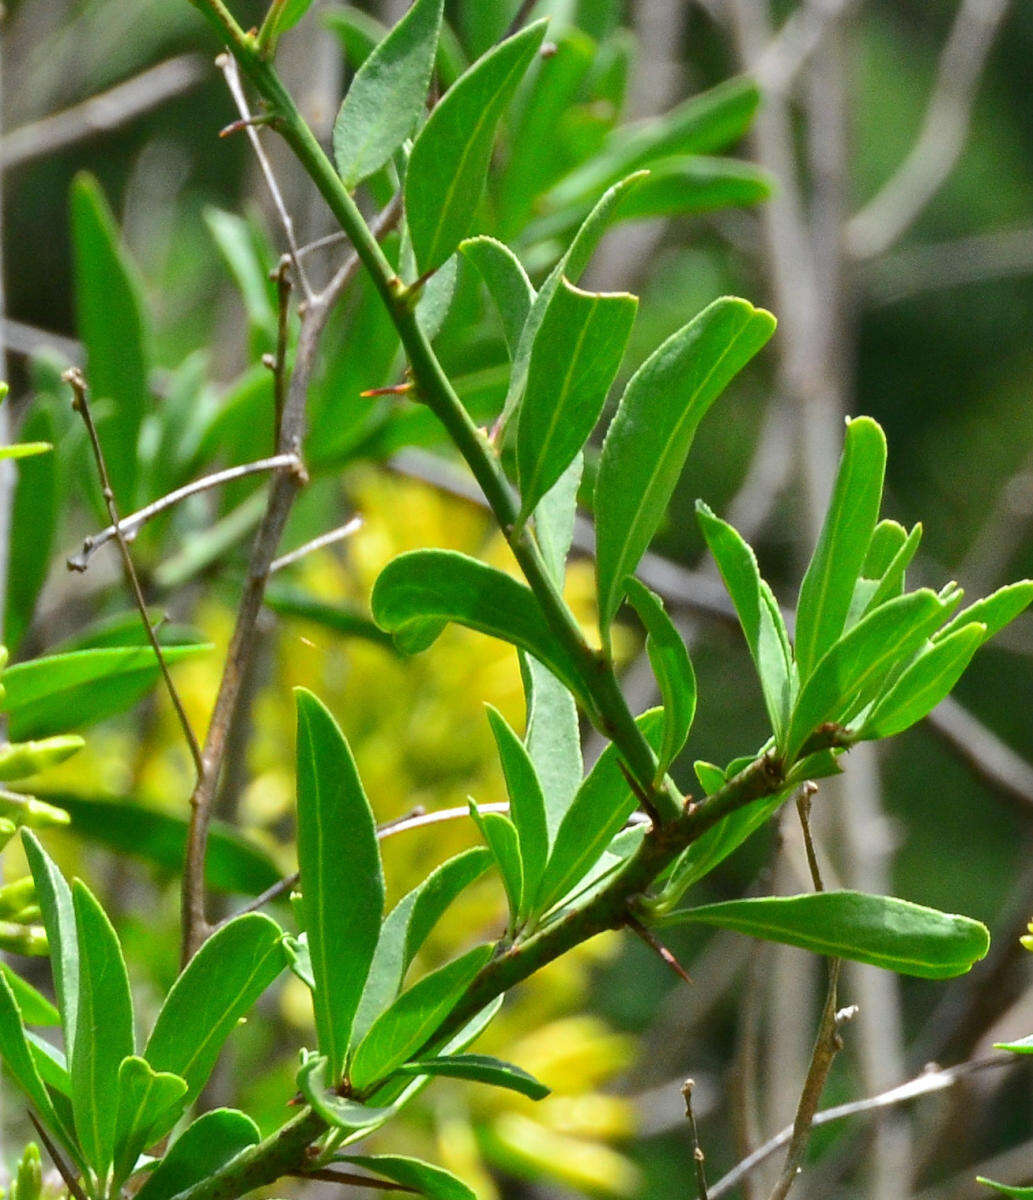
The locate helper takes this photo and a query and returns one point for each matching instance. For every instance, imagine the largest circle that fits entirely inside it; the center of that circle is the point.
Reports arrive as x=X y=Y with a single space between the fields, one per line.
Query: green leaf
x=501 y=837
x=602 y=805
x=19 y=1061
x=526 y=806
x=336 y=1110
x=758 y=613
x=569 y=267
x=855 y=668
x=506 y=280
x=233 y=863
x=149 y=1104
x=669 y=658
x=103 y=1029
x=406 y=1026
x=339 y=618
x=342 y=881
x=575 y=357
x=711 y=778
x=692 y=185
x=1018 y=1193
x=35 y=1008
x=870 y=593
x=388 y=95
x=843 y=544
x=66 y=692
x=24 y=450
x=53 y=1068
x=434 y=304
x=435 y=1182
x=235 y=241
x=650 y=437
x=205 y=1147
x=54 y=898
x=1022 y=1046
x=34 y=520
x=553 y=739
x=481 y=1069
x=880 y=930
x=112 y=327
x=924 y=683
x=994 y=611
x=20 y=760
x=216 y=990
x=700 y=125
x=418 y=593
x=450 y=157
x=406 y=928
x=291 y=12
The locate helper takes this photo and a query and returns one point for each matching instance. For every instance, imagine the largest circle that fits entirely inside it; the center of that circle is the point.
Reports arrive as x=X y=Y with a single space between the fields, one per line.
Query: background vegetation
x=897 y=250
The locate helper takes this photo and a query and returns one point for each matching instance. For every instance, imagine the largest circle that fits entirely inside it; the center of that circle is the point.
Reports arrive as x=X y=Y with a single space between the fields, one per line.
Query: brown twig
x=346 y=1177
x=64 y=1168
x=286 y=484
x=698 y=1157
x=132 y=524
x=77 y=382
x=658 y=948
x=279 y=362
x=103 y=112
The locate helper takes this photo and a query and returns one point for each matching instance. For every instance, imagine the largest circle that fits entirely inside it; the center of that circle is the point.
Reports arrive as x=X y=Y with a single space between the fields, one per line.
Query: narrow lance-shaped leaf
x=342 y=882
x=506 y=280
x=424 y=1178
x=34 y=1007
x=994 y=611
x=599 y=810
x=650 y=437
x=55 y=900
x=104 y=1029
x=669 y=658
x=851 y=673
x=388 y=94
x=149 y=1104
x=418 y=593
x=576 y=355
x=869 y=593
x=406 y=928
x=570 y=267
x=925 y=683
x=207 y=1145
x=843 y=544
x=412 y=1019
x=758 y=614
x=216 y=990
x=479 y=1068
x=111 y=324
x=19 y=1061
x=449 y=159
x=526 y=804
x=501 y=838
x=880 y=930
x=696 y=184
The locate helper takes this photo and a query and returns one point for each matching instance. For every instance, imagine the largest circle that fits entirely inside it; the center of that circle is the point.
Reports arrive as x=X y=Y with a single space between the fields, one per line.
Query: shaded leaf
x=881 y=930
x=687 y=186
x=34 y=1007
x=339 y=618
x=387 y=95
x=481 y=1069
x=33 y=524
x=506 y=280
x=19 y=1061
x=501 y=837
x=54 y=898
x=64 y=692
x=215 y=991
x=342 y=881
x=435 y=1182
x=526 y=805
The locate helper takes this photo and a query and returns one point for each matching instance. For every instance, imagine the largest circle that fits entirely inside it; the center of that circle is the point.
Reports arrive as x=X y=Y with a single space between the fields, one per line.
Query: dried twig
x=131 y=525
x=658 y=948
x=228 y=65
x=934 y=1080
x=319 y=543
x=892 y=211
x=102 y=113
x=77 y=382
x=64 y=1168
x=698 y=1156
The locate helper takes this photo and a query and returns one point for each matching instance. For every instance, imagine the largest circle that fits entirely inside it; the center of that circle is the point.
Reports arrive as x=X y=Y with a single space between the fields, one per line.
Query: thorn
x=398 y=389
x=658 y=948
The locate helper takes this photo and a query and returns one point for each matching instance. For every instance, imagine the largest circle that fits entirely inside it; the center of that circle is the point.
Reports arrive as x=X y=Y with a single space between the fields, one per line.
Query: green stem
x=610 y=710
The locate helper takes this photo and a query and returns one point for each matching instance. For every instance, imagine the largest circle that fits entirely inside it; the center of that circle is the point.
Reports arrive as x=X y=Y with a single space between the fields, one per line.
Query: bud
x=7 y=831
x=17 y=896
x=20 y=759
x=28 y=1180
x=30 y=940
x=27 y=810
